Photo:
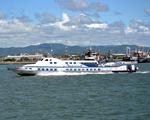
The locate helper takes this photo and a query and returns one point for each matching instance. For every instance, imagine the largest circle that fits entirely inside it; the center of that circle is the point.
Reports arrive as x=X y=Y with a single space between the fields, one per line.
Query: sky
x=74 y=22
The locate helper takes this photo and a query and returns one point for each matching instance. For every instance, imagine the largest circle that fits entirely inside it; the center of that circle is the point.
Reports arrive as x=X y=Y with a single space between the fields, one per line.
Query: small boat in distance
x=54 y=66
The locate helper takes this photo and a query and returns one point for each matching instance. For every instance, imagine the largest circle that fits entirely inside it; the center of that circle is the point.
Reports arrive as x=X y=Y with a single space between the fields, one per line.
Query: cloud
x=117 y=25
x=79 y=20
x=98 y=6
x=130 y=30
x=74 y=5
x=138 y=26
x=15 y=32
x=24 y=18
x=45 y=17
x=92 y=14
x=14 y=25
x=77 y=30
x=2 y=15
x=102 y=26
x=147 y=11
x=83 y=5
x=62 y=24
x=83 y=19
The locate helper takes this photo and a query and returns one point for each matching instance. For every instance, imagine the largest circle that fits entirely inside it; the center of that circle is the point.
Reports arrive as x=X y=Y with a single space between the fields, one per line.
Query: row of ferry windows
x=49 y=60
x=53 y=62
x=81 y=63
x=47 y=69
x=46 y=59
x=71 y=63
x=83 y=69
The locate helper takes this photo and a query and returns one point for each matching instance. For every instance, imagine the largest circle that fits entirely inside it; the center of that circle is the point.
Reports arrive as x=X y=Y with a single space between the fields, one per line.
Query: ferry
x=56 y=67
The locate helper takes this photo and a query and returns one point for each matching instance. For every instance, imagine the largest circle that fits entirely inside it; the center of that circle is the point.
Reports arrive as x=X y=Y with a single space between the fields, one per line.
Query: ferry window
x=50 y=62
x=43 y=69
x=47 y=69
x=82 y=69
x=94 y=69
x=75 y=70
x=78 y=69
x=99 y=69
x=46 y=59
x=50 y=59
x=38 y=68
x=66 y=69
x=55 y=69
x=87 y=69
x=66 y=62
x=74 y=62
x=90 y=69
x=51 y=69
x=30 y=68
x=55 y=62
x=70 y=69
x=70 y=62
x=41 y=59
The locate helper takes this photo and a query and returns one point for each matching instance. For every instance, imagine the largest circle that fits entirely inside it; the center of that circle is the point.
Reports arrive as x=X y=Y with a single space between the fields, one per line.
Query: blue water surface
x=88 y=97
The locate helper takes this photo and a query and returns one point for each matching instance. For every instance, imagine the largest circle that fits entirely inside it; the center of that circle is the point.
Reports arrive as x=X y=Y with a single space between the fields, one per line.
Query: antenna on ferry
x=66 y=47
x=51 y=50
x=128 y=51
x=90 y=45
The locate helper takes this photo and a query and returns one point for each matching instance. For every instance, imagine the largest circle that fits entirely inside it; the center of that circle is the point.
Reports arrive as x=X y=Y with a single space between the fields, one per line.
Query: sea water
x=88 y=97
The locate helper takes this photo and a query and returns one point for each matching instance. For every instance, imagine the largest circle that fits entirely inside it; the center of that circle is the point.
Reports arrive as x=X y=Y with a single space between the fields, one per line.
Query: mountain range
x=60 y=49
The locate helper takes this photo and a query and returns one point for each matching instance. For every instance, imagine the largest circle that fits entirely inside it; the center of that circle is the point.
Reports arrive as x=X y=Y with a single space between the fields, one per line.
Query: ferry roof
x=56 y=59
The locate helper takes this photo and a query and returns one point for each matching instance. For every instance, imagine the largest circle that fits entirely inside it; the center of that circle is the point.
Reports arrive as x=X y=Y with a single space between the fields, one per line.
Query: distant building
x=29 y=56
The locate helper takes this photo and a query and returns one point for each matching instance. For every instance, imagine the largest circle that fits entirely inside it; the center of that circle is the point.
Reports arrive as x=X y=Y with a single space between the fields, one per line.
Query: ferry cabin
x=75 y=66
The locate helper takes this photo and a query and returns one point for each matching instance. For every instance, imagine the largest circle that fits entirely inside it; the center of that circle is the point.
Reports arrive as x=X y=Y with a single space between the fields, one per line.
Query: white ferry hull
x=57 y=67
x=70 y=74
x=61 y=73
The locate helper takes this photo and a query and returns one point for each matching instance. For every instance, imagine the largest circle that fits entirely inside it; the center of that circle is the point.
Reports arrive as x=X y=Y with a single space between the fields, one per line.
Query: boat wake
x=143 y=72
x=3 y=69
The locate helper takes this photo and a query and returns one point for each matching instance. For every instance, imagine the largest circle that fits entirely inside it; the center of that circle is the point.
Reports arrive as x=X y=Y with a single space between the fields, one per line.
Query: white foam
x=143 y=72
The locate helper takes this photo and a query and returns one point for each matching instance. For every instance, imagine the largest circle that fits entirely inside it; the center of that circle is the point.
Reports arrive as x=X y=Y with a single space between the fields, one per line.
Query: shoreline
x=5 y=63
